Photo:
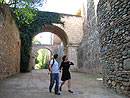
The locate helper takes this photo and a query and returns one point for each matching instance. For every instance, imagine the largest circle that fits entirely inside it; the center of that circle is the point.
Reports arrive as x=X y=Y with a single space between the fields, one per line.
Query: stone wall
x=9 y=44
x=72 y=54
x=59 y=48
x=89 y=49
x=73 y=28
x=56 y=40
x=114 y=29
x=60 y=51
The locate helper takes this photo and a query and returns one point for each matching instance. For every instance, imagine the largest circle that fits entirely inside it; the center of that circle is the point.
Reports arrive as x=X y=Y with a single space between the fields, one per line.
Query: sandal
x=70 y=91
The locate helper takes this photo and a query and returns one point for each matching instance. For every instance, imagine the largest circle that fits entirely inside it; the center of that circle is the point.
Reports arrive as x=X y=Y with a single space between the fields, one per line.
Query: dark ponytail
x=63 y=58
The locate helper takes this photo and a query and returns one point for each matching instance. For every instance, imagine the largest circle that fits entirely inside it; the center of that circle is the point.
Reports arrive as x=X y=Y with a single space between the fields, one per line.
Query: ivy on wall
x=27 y=31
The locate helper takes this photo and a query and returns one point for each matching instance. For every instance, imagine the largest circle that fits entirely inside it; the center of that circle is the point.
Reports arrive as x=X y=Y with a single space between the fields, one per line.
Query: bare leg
x=62 y=85
x=69 y=86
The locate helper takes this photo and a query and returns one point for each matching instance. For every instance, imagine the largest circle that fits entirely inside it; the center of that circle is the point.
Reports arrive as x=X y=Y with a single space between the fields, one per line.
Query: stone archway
x=57 y=31
x=70 y=34
x=37 y=47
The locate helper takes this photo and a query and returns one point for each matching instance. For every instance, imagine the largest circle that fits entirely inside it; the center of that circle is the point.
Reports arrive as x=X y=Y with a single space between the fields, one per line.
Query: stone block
x=126 y=83
x=127 y=64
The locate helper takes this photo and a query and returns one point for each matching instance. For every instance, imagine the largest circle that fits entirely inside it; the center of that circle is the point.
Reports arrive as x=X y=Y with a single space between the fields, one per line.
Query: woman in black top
x=65 y=73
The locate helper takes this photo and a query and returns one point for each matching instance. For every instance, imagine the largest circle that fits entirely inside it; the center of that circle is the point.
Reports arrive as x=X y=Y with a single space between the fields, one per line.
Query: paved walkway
x=35 y=85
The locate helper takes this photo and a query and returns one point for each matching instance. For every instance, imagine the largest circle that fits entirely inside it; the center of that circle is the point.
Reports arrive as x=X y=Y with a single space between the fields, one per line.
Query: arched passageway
x=70 y=34
x=54 y=49
x=38 y=46
x=57 y=31
x=35 y=48
x=42 y=58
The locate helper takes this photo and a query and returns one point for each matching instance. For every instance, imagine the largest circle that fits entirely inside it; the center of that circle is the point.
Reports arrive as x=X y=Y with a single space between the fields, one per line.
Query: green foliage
x=41 y=57
x=25 y=15
x=36 y=56
x=25 y=10
x=2 y=1
x=27 y=31
x=48 y=18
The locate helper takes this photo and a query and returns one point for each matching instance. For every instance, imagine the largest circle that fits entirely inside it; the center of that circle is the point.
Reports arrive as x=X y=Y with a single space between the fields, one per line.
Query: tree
x=24 y=9
x=41 y=59
x=36 y=58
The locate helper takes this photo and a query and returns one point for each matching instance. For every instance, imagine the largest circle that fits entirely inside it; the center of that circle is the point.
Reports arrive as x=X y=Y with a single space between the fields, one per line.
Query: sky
x=44 y=37
x=62 y=6
x=59 y=6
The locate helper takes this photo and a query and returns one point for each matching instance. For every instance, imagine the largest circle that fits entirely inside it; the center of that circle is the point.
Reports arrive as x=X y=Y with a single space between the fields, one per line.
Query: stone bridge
x=36 y=47
x=70 y=34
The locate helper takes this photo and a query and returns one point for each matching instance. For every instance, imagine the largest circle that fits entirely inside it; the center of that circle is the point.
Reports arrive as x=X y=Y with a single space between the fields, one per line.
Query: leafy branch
x=26 y=8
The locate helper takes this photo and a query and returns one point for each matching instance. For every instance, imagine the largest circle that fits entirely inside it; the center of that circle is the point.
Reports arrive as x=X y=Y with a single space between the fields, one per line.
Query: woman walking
x=65 y=73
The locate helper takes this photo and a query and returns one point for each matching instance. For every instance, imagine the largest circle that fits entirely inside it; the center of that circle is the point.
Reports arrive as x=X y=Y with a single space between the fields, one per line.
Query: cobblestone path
x=35 y=85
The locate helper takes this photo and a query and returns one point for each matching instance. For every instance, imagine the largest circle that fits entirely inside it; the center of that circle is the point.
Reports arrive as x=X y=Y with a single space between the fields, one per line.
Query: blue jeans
x=54 y=77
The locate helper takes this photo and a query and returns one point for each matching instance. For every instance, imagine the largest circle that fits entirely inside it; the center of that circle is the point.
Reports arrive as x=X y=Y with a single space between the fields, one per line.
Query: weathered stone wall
x=89 y=49
x=56 y=40
x=114 y=29
x=73 y=27
x=72 y=54
x=9 y=44
x=60 y=51
x=59 y=48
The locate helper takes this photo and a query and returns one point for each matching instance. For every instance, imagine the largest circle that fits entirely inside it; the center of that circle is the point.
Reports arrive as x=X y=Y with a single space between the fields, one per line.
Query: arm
x=50 y=66
x=71 y=63
x=61 y=65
